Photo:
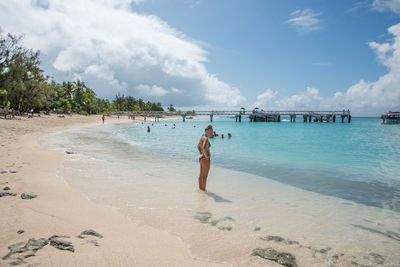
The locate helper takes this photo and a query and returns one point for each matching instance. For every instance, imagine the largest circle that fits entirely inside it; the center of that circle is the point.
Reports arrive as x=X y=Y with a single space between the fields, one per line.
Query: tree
x=171 y=108
x=21 y=79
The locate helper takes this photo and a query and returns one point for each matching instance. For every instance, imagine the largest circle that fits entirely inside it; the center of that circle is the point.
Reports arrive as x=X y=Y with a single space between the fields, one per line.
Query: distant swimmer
x=229 y=135
x=222 y=136
x=148 y=129
x=215 y=134
x=204 y=159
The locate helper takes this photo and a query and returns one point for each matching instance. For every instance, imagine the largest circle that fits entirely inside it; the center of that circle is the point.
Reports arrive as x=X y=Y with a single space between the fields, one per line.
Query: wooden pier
x=254 y=116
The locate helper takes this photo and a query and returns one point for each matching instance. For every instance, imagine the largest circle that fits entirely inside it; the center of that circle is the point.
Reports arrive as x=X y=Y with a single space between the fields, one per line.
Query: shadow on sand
x=217 y=198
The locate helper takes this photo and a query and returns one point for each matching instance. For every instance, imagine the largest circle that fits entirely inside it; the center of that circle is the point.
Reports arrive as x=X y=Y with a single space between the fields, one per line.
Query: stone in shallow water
x=36 y=243
x=20 y=232
x=270 y=254
x=6 y=193
x=28 y=196
x=61 y=244
x=69 y=152
x=89 y=232
x=256 y=229
x=6 y=188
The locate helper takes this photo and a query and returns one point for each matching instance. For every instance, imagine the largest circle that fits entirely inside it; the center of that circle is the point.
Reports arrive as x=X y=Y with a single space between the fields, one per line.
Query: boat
x=391 y=117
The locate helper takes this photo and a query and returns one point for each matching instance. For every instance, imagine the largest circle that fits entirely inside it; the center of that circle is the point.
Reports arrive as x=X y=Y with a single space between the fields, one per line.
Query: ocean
x=328 y=193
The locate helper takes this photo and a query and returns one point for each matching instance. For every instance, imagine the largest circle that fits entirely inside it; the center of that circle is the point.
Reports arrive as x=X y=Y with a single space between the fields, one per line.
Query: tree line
x=23 y=86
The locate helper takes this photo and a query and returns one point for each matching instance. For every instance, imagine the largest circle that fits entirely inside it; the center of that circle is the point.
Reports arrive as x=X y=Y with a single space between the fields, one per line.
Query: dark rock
x=270 y=254
x=226 y=228
x=256 y=229
x=28 y=196
x=15 y=248
x=324 y=250
x=89 y=232
x=57 y=236
x=3 y=172
x=5 y=193
x=17 y=262
x=273 y=238
x=61 y=244
x=6 y=188
x=287 y=259
x=12 y=171
x=20 y=232
x=36 y=244
x=69 y=152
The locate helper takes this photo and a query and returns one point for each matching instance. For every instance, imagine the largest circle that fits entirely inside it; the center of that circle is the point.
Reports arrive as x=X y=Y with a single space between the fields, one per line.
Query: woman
x=204 y=148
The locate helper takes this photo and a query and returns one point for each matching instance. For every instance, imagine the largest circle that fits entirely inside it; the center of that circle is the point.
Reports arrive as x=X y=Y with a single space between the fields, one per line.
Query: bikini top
x=209 y=144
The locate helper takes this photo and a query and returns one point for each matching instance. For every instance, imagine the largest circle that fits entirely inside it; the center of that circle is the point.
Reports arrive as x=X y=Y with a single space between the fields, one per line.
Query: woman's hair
x=208 y=127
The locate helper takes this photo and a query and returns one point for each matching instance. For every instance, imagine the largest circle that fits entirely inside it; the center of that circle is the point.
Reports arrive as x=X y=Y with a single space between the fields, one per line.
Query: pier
x=254 y=115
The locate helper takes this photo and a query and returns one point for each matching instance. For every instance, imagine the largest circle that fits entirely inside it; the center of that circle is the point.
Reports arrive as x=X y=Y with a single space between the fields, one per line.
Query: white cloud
x=265 y=99
x=114 y=49
x=383 y=5
x=305 y=20
x=147 y=90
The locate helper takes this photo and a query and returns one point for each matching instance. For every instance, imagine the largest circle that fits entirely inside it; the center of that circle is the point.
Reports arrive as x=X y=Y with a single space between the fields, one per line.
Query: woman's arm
x=205 y=147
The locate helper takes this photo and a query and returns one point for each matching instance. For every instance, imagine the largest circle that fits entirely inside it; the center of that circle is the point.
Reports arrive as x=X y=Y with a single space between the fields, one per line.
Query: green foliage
x=23 y=86
x=171 y=108
x=190 y=113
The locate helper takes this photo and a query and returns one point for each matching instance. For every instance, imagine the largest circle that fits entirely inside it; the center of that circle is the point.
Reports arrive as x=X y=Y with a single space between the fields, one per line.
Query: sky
x=225 y=54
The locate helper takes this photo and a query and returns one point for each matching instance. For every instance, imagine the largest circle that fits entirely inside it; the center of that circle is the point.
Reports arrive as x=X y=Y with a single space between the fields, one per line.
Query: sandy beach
x=26 y=167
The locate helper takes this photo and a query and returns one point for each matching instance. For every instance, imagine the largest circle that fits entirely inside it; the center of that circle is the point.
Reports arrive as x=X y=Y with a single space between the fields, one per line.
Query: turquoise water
x=359 y=161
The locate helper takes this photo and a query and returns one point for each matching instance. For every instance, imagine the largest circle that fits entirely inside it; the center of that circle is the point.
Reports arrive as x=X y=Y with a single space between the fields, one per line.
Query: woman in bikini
x=204 y=148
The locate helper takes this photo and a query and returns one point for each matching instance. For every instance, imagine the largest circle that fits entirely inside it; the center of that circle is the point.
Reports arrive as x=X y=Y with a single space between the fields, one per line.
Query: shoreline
x=61 y=210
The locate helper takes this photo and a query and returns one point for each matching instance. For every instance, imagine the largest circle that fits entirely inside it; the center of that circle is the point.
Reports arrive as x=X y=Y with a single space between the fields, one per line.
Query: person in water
x=204 y=149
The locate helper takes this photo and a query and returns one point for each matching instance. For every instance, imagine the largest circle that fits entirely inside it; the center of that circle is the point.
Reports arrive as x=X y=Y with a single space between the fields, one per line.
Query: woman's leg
x=206 y=169
x=201 y=174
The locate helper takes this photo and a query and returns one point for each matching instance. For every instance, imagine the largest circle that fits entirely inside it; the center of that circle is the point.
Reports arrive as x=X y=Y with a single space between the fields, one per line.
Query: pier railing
x=254 y=115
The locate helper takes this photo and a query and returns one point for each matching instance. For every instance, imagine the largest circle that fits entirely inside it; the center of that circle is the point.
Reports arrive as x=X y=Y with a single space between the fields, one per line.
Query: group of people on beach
x=7 y=112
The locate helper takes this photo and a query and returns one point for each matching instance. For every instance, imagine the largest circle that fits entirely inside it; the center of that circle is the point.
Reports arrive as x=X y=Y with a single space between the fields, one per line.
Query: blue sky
x=221 y=54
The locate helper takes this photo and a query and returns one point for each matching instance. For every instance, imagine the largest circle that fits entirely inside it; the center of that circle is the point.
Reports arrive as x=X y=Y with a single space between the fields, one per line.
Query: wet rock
x=89 y=232
x=279 y=239
x=69 y=152
x=61 y=244
x=20 y=232
x=36 y=243
x=3 y=172
x=323 y=250
x=256 y=229
x=17 y=262
x=203 y=217
x=225 y=228
x=15 y=248
x=6 y=193
x=57 y=236
x=28 y=196
x=273 y=238
x=270 y=254
x=12 y=171
x=6 y=188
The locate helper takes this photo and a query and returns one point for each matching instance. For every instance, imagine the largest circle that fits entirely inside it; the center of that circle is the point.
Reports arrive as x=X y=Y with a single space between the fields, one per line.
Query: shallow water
x=330 y=190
